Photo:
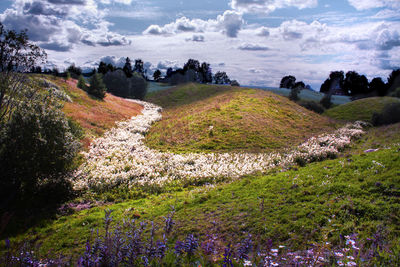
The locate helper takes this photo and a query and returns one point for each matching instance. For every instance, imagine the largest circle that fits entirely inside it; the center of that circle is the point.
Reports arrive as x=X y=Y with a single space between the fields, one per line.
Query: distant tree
x=335 y=80
x=287 y=82
x=192 y=64
x=169 y=72
x=378 y=86
x=139 y=67
x=110 y=67
x=235 y=83
x=221 y=78
x=206 y=73
x=128 y=67
x=97 y=87
x=102 y=68
x=157 y=75
x=394 y=75
x=294 y=94
x=82 y=83
x=55 y=71
x=74 y=71
x=326 y=101
x=118 y=84
x=36 y=69
x=67 y=76
x=355 y=84
x=299 y=85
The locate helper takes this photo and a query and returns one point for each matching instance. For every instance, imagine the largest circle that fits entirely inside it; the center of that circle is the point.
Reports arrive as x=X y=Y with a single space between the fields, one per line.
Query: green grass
x=353 y=194
x=209 y=118
x=362 y=109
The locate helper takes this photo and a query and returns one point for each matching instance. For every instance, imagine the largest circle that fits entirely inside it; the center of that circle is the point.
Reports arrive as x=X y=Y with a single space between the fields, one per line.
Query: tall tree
x=17 y=55
x=97 y=87
x=127 y=67
x=206 y=73
x=378 y=86
x=102 y=68
x=394 y=80
x=139 y=67
x=355 y=83
x=221 y=78
x=287 y=82
x=157 y=75
x=192 y=64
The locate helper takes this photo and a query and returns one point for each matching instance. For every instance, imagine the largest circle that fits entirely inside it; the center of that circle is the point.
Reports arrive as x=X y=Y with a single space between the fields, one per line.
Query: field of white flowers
x=120 y=157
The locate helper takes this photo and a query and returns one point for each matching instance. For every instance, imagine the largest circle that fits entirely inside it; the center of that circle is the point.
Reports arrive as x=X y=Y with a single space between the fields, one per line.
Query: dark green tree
x=378 y=86
x=192 y=64
x=74 y=71
x=97 y=87
x=102 y=68
x=139 y=67
x=82 y=83
x=127 y=67
x=287 y=82
x=157 y=75
x=355 y=84
x=221 y=78
x=206 y=73
x=393 y=80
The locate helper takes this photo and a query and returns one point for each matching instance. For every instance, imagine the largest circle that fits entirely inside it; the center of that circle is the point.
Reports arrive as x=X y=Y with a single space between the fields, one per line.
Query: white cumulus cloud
x=268 y=6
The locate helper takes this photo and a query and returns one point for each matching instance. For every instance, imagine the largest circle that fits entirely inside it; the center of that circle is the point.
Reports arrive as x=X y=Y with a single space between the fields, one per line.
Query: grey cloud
x=67 y=2
x=55 y=46
x=116 y=61
x=263 y=32
x=387 y=40
x=253 y=47
x=163 y=65
x=232 y=23
x=291 y=35
x=40 y=8
x=196 y=38
x=268 y=6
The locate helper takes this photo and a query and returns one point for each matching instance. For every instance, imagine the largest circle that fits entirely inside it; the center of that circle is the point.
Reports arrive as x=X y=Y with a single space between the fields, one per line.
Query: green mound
x=219 y=118
x=362 y=109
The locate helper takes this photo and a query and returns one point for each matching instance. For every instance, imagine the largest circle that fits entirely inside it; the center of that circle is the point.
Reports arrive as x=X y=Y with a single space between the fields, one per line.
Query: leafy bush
x=389 y=115
x=294 y=94
x=82 y=83
x=97 y=87
x=326 y=101
x=36 y=145
x=118 y=84
x=396 y=93
x=312 y=105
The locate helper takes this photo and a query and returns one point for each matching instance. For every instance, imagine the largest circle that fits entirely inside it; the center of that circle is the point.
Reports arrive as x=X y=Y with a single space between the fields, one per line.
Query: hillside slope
x=361 y=109
x=220 y=118
x=93 y=115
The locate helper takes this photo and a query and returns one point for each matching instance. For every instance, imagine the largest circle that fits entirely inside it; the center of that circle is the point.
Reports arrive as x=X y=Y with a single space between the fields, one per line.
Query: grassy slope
x=95 y=116
x=241 y=119
x=342 y=196
x=362 y=109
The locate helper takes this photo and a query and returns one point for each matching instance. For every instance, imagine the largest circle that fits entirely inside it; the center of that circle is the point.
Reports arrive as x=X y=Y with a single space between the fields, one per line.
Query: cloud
x=119 y=62
x=196 y=38
x=263 y=31
x=165 y=64
x=268 y=6
x=387 y=39
x=229 y=23
x=59 y=25
x=253 y=47
x=369 y=4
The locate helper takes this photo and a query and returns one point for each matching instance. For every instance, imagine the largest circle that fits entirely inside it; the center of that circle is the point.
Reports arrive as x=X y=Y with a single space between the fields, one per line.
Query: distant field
x=361 y=109
x=306 y=94
x=223 y=118
x=154 y=86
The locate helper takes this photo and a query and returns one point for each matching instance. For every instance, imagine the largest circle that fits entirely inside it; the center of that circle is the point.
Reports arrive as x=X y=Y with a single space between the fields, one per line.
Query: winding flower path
x=120 y=157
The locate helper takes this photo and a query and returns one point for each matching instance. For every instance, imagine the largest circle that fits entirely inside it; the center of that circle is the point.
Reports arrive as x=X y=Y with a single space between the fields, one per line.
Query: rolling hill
x=201 y=118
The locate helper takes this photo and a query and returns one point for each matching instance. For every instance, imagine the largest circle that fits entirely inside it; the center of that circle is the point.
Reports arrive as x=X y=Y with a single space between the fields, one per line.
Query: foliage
x=221 y=78
x=17 y=55
x=97 y=87
x=362 y=109
x=104 y=68
x=157 y=75
x=36 y=144
x=393 y=78
x=355 y=84
x=294 y=94
x=378 y=86
x=128 y=67
x=396 y=93
x=287 y=82
x=326 y=101
x=82 y=83
x=390 y=114
x=312 y=105
x=74 y=71
x=139 y=67
x=67 y=76
x=119 y=84
x=235 y=83
x=337 y=76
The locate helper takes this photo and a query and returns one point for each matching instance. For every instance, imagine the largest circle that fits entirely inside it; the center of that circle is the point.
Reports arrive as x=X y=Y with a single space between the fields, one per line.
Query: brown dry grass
x=95 y=116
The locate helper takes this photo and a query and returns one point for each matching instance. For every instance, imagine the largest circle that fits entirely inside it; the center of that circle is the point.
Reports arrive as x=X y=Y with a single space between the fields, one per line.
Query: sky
x=256 y=42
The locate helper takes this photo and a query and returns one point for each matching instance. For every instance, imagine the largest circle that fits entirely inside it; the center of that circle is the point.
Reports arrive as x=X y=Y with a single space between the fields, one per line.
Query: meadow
x=218 y=175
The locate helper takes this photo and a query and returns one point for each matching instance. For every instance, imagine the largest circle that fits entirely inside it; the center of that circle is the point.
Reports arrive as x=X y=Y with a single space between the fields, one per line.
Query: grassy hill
x=361 y=109
x=223 y=118
x=93 y=115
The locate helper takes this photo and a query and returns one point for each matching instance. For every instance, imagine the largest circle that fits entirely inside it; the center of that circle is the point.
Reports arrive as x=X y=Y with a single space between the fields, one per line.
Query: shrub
x=82 y=83
x=396 y=93
x=326 y=101
x=36 y=145
x=294 y=94
x=389 y=115
x=97 y=87
x=118 y=84
x=312 y=105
